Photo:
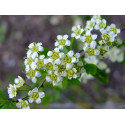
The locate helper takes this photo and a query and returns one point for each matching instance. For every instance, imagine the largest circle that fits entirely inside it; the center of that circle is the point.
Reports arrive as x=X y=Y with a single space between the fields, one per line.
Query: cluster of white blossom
x=59 y=64
x=95 y=49
x=33 y=95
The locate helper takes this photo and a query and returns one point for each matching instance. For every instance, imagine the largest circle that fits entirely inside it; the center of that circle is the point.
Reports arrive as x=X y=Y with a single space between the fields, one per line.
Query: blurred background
x=16 y=32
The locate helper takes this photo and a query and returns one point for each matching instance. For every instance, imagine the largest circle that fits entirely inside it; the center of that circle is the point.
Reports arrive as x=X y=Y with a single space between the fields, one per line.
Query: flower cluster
x=59 y=64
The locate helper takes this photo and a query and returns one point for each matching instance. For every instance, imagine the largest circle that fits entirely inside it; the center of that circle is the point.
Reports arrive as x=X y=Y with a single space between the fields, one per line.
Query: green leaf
x=65 y=82
x=91 y=69
x=44 y=52
x=71 y=45
x=75 y=82
x=65 y=50
x=123 y=62
x=46 y=100
x=2 y=95
x=102 y=76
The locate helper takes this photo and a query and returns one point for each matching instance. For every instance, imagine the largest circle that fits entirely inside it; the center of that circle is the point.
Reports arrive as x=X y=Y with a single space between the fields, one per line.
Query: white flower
x=77 y=31
x=71 y=73
x=53 y=77
x=62 y=41
x=19 y=82
x=100 y=24
x=32 y=74
x=95 y=18
x=113 y=28
x=12 y=91
x=108 y=36
x=85 y=77
x=35 y=47
x=35 y=96
x=90 y=25
x=88 y=37
x=22 y=104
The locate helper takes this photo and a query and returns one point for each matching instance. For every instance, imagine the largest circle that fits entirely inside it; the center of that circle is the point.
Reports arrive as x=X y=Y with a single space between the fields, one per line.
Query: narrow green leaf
x=102 y=76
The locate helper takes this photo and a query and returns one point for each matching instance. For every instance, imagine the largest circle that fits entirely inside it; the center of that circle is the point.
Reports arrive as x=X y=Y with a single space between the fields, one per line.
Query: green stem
x=28 y=85
x=71 y=46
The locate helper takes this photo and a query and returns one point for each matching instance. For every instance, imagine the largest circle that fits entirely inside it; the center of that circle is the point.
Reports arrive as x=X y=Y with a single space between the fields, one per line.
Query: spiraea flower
x=22 y=104
x=34 y=48
x=90 y=25
x=38 y=63
x=33 y=74
x=19 y=81
x=12 y=91
x=100 y=24
x=77 y=31
x=112 y=28
x=53 y=77
x=62 y=41
x=88 y=37
x=35 y=96
x=85 y=77
x=55 y=55
x=108 y=36
x=95 y=18
x=115 y=55
x=71 y=73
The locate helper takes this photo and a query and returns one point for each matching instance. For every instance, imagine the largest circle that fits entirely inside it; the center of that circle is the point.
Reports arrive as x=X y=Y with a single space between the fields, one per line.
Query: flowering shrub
x=63 y=64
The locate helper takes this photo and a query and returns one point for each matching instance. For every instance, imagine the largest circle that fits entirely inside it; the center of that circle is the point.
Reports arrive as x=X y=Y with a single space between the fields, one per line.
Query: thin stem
x=27 y=85
x=71 y=46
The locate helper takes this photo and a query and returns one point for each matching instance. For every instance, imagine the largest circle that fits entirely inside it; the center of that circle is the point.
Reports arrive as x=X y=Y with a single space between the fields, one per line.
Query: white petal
x=73 y=59
x=40 y=48
x=30 y=100
x=49 y=53
x=41 y=94
x=34 y=80
x=70 y=53
x=97 y=52
x=56 y=43
x=59 y=37
x=73 y=35
x=65 y=37
x=38 y=101
x=67 y=42
x=94 y=36
x=48 y=79
x=37 y=74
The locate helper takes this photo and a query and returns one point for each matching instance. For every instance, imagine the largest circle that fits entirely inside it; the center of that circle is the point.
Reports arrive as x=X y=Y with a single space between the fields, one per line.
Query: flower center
x=13 y=90
x=106 y=37
x=35 y=95
x=53 y=77
x=24 y=104
x=49 y=66
x=35 y=48
x=62 y=42
x=77 y=31
x=29 y=61
x=70 y=72
x=102 y=51
x=90 y=51
x=55 y=55
x=78 y=68
x=31 y=73
x=61 y=68
x=114 y=30
x=102 y=25
x=67 y=59
x=40 y=63
x=89 y=39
